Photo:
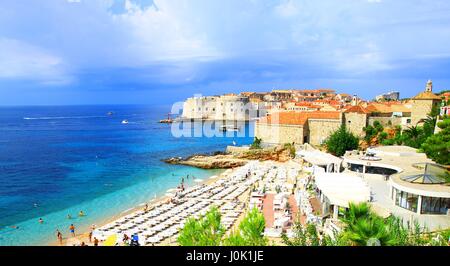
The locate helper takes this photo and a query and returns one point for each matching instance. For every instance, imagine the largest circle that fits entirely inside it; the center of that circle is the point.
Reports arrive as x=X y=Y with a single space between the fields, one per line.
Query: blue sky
x=161 y=51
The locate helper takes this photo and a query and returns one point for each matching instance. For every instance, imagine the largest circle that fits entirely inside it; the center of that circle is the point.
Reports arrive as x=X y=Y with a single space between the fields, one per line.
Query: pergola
x=338 y=190
x=315 y=157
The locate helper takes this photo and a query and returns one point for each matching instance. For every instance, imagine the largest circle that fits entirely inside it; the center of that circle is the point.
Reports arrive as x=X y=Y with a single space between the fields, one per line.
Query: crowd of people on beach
x=132 y=241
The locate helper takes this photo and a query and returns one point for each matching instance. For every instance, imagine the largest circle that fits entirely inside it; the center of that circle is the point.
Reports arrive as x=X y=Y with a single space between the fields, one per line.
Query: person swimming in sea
x=41 y=221
x=59 y=236
x=69 y=216
x=72 y=230
x=81 y=214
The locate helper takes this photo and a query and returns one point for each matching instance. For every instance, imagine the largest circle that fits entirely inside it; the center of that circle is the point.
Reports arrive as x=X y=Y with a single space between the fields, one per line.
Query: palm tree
x=429 y=124
x=356 y=212
x=413 y=132
x=369 y=231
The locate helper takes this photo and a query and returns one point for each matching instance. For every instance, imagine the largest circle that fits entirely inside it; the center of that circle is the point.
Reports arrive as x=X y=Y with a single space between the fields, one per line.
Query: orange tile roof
x=388 y=107
x=303 y=104
x=297 y=118
x=426 y=95
x=356 y=109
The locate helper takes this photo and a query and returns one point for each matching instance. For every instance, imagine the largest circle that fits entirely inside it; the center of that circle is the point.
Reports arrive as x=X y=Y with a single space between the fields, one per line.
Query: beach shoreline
x=84 y=235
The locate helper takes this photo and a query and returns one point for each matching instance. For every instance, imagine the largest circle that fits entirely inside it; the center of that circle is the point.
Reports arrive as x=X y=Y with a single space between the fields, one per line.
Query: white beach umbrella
x=198 y=180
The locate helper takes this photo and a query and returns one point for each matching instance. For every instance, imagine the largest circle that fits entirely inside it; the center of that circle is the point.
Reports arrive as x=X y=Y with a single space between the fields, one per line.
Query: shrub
x=341 y=141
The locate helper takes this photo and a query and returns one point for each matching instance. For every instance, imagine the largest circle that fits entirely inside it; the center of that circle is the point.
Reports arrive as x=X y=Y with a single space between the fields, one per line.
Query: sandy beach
x=84 y=236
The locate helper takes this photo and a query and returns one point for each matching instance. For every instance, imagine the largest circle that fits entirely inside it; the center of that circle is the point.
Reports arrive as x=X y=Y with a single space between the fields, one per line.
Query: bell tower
x=429 y=87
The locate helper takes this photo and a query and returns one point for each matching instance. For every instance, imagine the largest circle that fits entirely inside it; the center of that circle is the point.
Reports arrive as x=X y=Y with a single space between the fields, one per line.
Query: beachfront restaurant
x=368 y=163
x=337 y=190
x=330 y=163
x=422 y=193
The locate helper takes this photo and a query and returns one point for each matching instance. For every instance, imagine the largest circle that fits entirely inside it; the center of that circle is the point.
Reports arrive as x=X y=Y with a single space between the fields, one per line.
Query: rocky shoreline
x=224 y=160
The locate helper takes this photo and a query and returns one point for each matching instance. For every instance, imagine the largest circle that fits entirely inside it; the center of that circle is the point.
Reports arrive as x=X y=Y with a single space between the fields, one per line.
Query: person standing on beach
x=95 y=241
x=72 y=230
x=59 y=236
x=90 y=237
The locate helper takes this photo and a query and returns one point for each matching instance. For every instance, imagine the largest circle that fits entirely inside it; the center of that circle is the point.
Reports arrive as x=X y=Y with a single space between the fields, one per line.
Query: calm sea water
x=56 y=161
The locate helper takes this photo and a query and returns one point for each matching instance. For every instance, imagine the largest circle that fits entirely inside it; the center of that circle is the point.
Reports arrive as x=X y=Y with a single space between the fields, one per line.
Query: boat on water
x=125 y=121
x=229 y=128
x=168 y=120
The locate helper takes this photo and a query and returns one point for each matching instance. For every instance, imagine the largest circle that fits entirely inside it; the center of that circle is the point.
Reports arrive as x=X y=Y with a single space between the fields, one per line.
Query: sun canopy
x=319 y=158
x=341 y=189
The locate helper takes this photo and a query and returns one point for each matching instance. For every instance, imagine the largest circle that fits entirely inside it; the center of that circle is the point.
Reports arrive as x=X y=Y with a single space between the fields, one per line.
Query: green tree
x=356 y=212
x=369 y=231
x=372 y=131
x=437 y=146
x=303 y=236
x=341 y=141
x=256 y=143
x=205 y=231
x=412 y=136
x=250 y=232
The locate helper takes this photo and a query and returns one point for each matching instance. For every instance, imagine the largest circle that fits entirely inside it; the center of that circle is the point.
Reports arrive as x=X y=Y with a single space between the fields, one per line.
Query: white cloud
x=287 y=9
x=159 y=33
x=349 y=35
x=24 y=61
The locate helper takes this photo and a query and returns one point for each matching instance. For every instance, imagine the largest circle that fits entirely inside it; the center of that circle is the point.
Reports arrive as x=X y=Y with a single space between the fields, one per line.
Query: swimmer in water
x=81 y=214
x=72 y=230
x=41 y=220
x=69 y=216
x=35 y=205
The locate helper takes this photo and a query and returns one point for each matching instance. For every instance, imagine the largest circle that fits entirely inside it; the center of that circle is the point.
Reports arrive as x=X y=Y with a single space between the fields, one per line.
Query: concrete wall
x=321 y=129
x=421 y=108
x=385 y=120
x=355 y=122
x=279 y=134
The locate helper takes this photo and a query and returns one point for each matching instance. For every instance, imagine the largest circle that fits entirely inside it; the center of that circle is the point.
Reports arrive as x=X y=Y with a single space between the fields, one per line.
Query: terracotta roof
x=356 y=109
x=426 y=95
x=388 y=107
x=297 y=118
x=303 y=104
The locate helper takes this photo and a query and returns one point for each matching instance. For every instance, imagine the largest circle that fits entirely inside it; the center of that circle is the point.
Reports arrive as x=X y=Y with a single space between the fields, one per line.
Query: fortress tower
x=423 y=103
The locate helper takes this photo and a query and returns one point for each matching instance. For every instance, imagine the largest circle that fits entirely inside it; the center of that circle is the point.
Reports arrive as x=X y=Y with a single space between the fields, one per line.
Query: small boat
x=110 y=113
x=125 y=121
x=229 y=128
x=166 y=121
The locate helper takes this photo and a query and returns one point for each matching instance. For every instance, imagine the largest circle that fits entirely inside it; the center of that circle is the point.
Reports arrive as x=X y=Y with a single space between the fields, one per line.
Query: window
x=406 y=200
x=431 y=205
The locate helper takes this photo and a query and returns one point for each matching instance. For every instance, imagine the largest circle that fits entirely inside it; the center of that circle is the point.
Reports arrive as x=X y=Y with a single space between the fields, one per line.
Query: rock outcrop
x=209 y=161
x=222 y=160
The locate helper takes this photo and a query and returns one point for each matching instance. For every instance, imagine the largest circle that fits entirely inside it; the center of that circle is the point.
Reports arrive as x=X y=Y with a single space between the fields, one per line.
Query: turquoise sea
x=58 y=160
